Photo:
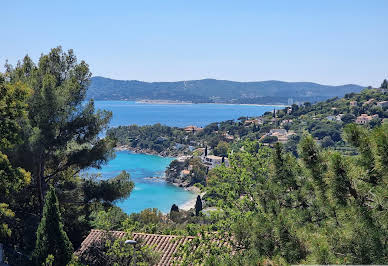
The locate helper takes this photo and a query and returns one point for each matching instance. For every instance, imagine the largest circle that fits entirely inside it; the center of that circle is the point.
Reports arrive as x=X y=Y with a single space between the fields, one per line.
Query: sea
x=146 y=171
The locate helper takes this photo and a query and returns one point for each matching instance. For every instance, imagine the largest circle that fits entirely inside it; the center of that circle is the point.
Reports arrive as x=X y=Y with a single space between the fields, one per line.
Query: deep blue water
x=180 y=115
x=157 y=193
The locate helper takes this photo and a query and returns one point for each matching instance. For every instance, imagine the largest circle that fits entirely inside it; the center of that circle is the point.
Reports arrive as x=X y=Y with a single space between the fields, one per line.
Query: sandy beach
x=191 y=203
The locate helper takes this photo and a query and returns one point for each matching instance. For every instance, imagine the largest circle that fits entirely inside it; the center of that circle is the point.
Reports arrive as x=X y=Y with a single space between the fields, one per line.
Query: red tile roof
x=165 y=245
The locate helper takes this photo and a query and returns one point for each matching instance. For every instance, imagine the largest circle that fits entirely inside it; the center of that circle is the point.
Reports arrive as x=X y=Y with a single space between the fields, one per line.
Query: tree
x=348 y=118
x=62 y=132
x=174 y=208
x=327 y=142
x=221 y=149
x=384 y=85
x=12 y=179
x=198 y=205
x=51 y=239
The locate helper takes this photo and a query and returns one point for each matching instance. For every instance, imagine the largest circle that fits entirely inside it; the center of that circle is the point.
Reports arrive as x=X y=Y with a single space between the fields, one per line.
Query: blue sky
x=326 y=41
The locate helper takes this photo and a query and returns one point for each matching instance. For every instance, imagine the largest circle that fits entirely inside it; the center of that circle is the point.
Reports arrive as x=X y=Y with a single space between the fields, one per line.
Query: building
x=383 y=104
x=370 y=101
x=257 y=121
x=353 y=103
x=281 y=134
x=365 y=119
x=279 y=131
x=339 y=117
x=185 y=173
x=213 y=161
x=331 y=118
x=165 y=245
x=192 y=129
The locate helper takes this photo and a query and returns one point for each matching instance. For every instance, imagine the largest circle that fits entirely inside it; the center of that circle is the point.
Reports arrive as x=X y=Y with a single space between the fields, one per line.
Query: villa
x=365 y=119
x=280 y=133
x=193 y=129
x=213 y=161
x=257 y=121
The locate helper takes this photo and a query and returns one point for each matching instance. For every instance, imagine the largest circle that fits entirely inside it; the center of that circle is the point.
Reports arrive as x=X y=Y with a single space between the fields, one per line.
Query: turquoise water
x=157 y=193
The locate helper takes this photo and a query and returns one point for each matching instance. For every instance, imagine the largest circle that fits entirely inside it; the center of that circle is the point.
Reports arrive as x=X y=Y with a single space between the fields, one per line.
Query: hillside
x=212 y=90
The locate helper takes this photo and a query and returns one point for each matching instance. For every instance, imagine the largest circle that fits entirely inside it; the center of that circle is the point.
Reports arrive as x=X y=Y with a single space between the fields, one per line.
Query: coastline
x=184 y=102
x=190 y=204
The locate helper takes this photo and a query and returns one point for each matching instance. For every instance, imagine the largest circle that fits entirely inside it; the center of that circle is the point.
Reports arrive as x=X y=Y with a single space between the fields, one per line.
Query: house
x=365 y=119
x=383 y=104
x=213 y=161
x=339 y=117
x=287 y=121
x=193 y=129
x=280 y=133
x=257 y=121
x=185 y=173
x=165 y=245
x=370 y=101
x=353 y=103
x=228 y=137
x=331 y=118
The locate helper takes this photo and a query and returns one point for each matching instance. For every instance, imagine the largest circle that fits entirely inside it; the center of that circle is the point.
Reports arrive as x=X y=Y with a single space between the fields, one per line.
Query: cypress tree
x=198 y=205
x=174 y=208
x=50 y=236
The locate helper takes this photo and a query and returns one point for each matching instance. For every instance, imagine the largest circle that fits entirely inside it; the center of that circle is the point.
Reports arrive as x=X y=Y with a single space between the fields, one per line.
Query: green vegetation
x=211 y=90
x=48 y=136
x=319 y=198
x=51 y=239
x=323 y=208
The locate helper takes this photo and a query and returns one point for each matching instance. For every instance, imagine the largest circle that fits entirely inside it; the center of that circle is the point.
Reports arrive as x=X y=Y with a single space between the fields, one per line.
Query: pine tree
x=198 y=205
x=50 y=236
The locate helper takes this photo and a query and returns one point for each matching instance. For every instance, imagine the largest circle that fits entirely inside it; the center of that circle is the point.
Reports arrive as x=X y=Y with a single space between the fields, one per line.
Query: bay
x=155 y=192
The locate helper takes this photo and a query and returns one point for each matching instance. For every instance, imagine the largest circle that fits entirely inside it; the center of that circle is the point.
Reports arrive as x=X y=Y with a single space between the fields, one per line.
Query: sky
x=327 y=41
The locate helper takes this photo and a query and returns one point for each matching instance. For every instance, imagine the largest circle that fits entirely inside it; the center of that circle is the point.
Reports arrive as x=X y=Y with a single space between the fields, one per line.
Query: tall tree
x=62 y=133
x=51 y=239
x=12 y=111
x=198 y=205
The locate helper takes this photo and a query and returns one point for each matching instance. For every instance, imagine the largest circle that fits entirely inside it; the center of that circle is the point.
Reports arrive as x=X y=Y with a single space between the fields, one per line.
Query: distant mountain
x=212 y=90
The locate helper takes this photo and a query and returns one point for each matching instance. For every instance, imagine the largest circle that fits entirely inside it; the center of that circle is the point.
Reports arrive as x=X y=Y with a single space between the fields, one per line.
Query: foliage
x=323 y=208
x=12 y=179
x=198 y=205
x=51 y=239
x=111 y=251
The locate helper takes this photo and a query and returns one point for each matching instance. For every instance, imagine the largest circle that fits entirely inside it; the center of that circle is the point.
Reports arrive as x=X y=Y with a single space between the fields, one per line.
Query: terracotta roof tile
x=167 y=245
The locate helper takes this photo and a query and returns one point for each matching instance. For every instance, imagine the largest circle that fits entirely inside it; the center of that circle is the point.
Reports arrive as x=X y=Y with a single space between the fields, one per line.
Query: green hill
x=212 y=90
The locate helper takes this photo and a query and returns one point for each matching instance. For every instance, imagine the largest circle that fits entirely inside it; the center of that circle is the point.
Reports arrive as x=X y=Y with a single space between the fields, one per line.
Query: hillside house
x=193 y=129
x=280 y=133
x=213 y=161
x=257 y=121
x=383 y=104
x=353 y=103
x=365 y=119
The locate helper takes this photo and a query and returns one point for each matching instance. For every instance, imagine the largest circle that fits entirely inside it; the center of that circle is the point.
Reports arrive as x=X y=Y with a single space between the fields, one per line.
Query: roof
x=166 y=245
x=213 y=157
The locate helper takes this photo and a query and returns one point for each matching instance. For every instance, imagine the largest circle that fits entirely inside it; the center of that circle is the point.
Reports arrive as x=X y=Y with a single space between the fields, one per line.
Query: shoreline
x=190 y=204
x=187 y=103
